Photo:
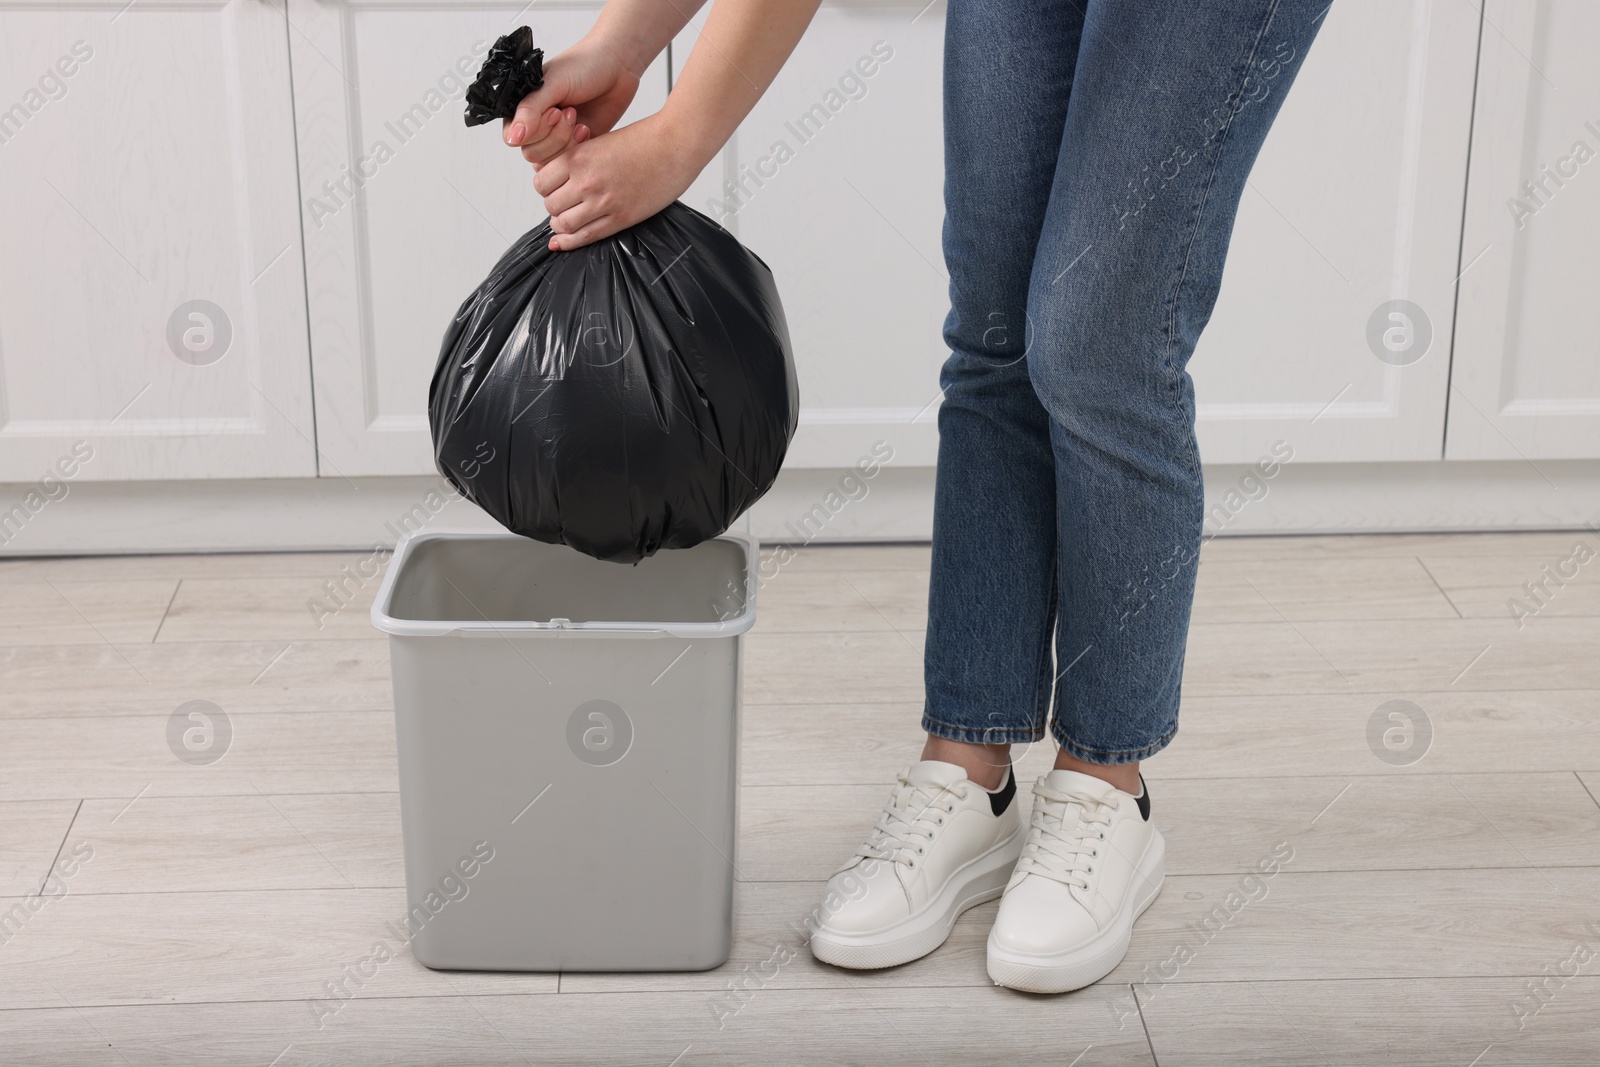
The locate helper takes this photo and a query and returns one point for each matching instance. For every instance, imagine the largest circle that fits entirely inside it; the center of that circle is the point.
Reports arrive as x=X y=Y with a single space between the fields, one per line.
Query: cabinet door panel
x=426 y=207
x=1527 y=367
x=151 y=293
x=839 y=188
x=1354 y=202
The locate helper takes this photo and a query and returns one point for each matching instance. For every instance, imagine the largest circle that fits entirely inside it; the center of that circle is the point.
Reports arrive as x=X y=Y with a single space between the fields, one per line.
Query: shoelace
x=1061 y=845
x=910 y=819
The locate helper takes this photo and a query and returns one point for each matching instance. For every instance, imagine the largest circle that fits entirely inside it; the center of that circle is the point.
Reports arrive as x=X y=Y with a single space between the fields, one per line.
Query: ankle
x=1125 y=776
x=984 y=764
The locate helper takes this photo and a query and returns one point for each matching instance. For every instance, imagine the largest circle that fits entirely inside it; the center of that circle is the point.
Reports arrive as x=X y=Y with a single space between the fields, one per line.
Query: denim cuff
x=997 y=735
x=1105 y=758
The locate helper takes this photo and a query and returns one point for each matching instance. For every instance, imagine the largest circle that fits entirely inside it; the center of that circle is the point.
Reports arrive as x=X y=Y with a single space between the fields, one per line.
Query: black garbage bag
x=636 y=394
x=512 y=69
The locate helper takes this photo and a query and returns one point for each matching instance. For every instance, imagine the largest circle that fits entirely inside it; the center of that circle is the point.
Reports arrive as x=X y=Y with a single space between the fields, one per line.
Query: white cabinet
x=426 y=208
x=234 y=232
x=151 y=294
x=1526 y=382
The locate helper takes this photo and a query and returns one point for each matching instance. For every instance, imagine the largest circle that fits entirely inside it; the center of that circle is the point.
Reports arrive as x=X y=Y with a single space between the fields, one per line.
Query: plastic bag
x=638 y=393
x=512 y=69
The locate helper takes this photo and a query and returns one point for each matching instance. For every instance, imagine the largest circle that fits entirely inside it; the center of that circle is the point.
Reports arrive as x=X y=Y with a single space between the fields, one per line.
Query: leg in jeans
x=992 y=603
x=1096 y=151
x=1071 y=500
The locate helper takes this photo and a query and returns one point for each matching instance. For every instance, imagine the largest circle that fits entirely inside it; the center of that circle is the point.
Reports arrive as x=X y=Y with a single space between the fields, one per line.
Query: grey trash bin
x=568 y=738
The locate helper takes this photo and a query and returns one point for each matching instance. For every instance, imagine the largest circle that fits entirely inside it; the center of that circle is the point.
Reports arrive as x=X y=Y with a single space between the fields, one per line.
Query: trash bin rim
x=408 y=542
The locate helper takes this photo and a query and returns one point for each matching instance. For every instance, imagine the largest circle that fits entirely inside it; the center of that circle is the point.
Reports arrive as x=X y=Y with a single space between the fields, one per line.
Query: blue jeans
x=1095 y=155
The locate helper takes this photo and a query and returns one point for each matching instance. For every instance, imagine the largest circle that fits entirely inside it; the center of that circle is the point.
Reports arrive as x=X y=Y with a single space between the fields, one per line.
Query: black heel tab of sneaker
x=1144 y=800
x=1000 y=799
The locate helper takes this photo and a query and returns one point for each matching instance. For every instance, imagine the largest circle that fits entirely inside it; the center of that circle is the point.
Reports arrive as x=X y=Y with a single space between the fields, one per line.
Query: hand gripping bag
x=636 y=394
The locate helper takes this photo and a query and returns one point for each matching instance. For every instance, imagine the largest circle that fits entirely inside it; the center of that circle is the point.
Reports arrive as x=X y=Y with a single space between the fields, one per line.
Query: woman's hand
x=597 y=180
x=586 y=89
x=607 y=183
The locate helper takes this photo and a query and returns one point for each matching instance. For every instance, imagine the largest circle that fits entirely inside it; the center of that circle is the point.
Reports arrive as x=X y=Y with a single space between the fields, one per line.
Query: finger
x=563 y=200
x=530 y=118
x=574 y=218
x=581 y=134
x=604 y=226
x=546 y=136
x=551 y=176
x=551 y=143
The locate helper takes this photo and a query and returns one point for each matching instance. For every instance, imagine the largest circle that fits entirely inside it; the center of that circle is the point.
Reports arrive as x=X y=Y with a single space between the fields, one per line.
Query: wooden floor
x=1446 y=911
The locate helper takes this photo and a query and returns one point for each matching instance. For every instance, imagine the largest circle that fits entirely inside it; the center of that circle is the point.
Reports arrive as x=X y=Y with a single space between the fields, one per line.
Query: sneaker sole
x=982 y=879
x=1090 y=962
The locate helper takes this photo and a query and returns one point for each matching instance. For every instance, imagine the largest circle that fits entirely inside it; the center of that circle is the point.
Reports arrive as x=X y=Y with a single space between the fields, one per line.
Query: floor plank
x=1415 y=1023
x=1301 y=925
x=61 y=681
x=1218 y=826
x=1389 y=656
x=70 y=613
x=31 y=832
x=179 y=946
x=1320 y=589
x=335 y=606
x=59 y=1037
x=1456 y=732
x=1350 y=546
x=856 y=1024
x=1591 y=781
x=359 y=833
x=777 y=562
x=1562 y=583
x=217 y=565
x=1223 y=659
x=124 y=757
x=892 y=600
x=833 y=668
x=220 y=844
x=769 y=918
x=771 y=1027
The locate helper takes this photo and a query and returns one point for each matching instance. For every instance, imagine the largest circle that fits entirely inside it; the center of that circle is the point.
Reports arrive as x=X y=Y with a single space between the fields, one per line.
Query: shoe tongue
x=1074 y=782
x=936 y=773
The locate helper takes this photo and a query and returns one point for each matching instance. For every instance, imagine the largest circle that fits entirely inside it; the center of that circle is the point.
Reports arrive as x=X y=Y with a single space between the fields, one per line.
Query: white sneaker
x=1092 y=864
x=942 y=844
